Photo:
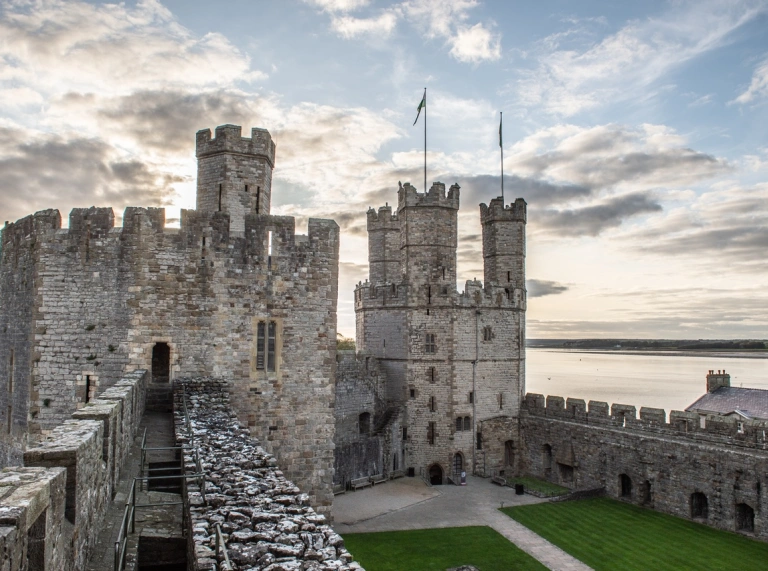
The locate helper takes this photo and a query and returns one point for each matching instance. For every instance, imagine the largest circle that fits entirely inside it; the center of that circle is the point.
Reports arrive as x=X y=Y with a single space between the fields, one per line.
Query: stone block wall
x=69 y=476
x=33 y=534
x=266 y=520
x=650 y=461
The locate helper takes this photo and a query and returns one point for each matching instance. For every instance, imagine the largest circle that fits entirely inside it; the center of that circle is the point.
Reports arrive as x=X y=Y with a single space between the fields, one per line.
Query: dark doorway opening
x=745 y=518
x=646 y=493
x=161 y=363
x=625 y=486
x=436 y=475
x=458 y=466
x=699 y=506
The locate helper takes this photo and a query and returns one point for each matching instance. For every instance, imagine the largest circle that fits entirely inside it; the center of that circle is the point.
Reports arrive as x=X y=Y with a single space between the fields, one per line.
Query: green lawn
x=542 y=486
x=437 y=550
x=607 y=534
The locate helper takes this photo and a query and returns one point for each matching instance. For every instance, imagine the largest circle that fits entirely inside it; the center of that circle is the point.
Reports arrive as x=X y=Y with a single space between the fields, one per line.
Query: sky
x=636 y=132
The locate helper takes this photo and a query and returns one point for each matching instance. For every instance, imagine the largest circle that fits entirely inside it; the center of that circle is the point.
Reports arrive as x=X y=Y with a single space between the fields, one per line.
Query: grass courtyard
x=437 y=550
x=608 y=534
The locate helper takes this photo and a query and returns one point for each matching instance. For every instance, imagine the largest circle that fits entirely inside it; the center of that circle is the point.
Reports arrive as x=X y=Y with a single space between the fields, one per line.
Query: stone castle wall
x=98 y=298
x=53 y=507
x=666 y=462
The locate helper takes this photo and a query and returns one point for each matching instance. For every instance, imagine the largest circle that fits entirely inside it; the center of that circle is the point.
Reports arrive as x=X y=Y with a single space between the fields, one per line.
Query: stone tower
x=454 y=362
x=234 y=174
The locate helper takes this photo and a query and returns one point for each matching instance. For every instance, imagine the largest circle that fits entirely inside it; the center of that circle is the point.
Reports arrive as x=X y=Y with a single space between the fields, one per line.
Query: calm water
x=670 y=382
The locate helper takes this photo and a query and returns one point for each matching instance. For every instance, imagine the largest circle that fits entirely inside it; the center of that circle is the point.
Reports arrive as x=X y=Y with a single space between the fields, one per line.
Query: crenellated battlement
x=407 y=196
x=496 y=211
x=383 y=219
x=744 y=433
x=229 y=139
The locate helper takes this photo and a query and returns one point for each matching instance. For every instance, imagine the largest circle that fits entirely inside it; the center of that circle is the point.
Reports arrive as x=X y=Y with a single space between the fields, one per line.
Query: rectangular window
x=10 y=391
x=432 y=404
x=405 y=432
x=258 y=198
x=479 y=443
x=413 y=393
x=431 y=375
x=220 y=191
x=260 y=336
x=431 y=433
x=487 y=333
x=501 y=401
x=272 y=332
x=459 y=424
x=87 y=388
x=246 y=188
x=471 y=397
x=430 y=345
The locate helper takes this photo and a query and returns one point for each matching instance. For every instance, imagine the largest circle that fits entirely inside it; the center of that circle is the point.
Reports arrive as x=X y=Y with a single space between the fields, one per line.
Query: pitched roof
x=751 y=403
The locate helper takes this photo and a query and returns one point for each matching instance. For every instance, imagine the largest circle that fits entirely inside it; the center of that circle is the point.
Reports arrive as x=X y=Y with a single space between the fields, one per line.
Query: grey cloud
x=161 y=119
x=592 y=220
x=482 y=188
x=56 y=172
x=541 y=288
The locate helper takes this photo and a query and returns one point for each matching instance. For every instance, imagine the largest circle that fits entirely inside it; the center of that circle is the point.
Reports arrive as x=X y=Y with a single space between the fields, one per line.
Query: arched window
x=364 y=420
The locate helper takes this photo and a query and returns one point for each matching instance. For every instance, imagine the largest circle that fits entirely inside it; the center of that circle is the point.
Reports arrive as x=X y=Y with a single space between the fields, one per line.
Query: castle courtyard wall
x=666 y=461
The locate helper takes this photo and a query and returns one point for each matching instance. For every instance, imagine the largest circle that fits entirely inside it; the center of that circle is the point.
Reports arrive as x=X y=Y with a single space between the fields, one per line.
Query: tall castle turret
x=454 y=362
x=234 y=173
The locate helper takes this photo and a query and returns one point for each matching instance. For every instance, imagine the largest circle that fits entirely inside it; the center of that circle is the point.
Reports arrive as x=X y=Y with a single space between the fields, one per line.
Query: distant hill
x=652 y=344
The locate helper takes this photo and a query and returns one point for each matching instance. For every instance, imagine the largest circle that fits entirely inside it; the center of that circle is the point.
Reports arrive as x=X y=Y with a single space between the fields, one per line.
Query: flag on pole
x=422 y=104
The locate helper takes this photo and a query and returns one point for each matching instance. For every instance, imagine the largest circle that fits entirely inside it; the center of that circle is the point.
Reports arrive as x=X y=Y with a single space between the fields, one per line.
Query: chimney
x=717 y=380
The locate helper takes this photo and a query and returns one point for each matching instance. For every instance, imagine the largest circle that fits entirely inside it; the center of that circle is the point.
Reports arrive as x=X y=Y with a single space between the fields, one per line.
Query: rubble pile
x=266 y=521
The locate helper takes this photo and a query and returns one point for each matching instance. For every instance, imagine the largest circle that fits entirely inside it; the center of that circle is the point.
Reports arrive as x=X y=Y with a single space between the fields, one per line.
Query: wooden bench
x=396 y=474
x=499 y=480
x=377 y=479
x=359 y=483
x=339 y=489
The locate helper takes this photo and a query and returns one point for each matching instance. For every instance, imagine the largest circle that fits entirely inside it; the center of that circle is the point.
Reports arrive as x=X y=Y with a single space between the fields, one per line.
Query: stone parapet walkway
x=408 y=503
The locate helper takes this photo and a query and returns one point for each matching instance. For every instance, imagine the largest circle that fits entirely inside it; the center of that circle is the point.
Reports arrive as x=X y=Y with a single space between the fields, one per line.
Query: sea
x=668 y=380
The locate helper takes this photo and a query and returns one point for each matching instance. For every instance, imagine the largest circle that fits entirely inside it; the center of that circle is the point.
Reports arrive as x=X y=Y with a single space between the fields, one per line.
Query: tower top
x=408 y=196
x=229 y=139
x=496 y=211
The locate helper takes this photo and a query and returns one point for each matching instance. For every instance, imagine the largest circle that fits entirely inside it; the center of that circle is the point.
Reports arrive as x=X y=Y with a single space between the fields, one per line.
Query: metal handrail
x=122 y=537
x=221 y=546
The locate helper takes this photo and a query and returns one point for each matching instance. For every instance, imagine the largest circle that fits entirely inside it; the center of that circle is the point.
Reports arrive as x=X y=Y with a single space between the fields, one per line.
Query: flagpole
x=425 y=139
x=501 y=144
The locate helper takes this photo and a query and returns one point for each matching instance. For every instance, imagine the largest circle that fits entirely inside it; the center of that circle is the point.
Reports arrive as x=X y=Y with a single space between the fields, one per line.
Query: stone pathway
x=408 y=503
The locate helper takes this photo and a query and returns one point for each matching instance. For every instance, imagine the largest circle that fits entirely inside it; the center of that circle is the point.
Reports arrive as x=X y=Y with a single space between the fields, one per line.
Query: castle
x=232 y=293
x=436 y=389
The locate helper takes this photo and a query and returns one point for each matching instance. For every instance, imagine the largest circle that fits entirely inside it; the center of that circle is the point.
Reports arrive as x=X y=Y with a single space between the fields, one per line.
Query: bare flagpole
x=501 y=145
x=425 y=139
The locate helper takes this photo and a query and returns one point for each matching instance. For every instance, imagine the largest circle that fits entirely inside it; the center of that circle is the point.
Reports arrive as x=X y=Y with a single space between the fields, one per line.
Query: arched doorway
x=625 y=486
x=436 y=475
x=745 y=518
x=161 y=363
x=699 y=506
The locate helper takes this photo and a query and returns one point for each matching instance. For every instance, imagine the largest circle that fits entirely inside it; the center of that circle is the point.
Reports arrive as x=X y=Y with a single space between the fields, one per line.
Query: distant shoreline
x=723 y=354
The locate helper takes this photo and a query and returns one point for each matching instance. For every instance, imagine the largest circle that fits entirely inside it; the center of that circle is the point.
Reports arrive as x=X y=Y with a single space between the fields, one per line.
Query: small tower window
x=487 y=333
x=509 y=277
x=431 y=375
x=467 y=423
x=431 y=433
x=471 y=397
x=459 y=424
x=432 y=404
x=430 y=345
x=501 y=401
x=266 y=346
x=413 y=393
x=258 y=197
x=220 y=191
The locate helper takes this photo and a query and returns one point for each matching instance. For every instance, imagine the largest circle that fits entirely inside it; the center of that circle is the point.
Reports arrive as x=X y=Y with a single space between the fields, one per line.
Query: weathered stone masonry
x=715 y=474
x=453 y=363
x=83 y=305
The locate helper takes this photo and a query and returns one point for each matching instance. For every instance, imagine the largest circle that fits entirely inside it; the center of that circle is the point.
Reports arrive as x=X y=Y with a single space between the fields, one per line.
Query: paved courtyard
x=408 y=503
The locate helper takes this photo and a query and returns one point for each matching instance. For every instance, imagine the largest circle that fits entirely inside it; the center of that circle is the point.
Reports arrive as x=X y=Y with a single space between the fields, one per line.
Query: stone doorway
x=436 y=475
x=625 y=486
x=161 y=363
x=699 y=506
x=745 y=518
x=458 y=466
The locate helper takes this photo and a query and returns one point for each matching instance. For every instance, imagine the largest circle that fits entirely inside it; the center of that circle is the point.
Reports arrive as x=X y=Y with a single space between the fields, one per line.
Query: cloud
x=727 y=228
x=758 y=88
x=349 y=27
x=39 y=171
x=475 y=44
x=436 y=19
x=111 y=48
x=568 y=80
x=541 y=288
x=482 y=188
x=613 y=156
x=594 y=219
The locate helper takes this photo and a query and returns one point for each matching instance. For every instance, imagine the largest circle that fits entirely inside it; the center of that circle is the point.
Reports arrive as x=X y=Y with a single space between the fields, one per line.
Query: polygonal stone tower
x=454 y=363
x=234 y=173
